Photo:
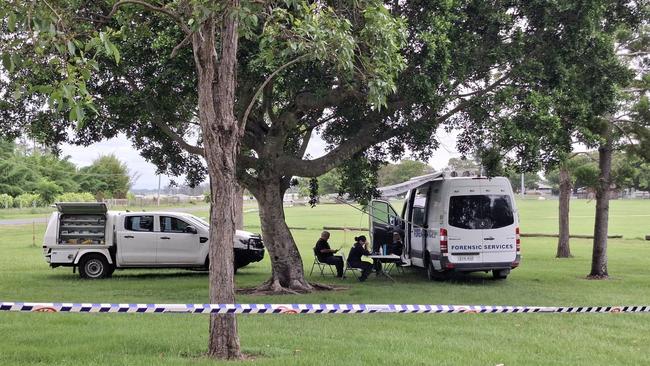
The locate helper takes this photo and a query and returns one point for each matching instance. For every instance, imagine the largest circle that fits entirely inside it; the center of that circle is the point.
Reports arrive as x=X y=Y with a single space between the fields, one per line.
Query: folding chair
x=350 y=269
x=321 y=266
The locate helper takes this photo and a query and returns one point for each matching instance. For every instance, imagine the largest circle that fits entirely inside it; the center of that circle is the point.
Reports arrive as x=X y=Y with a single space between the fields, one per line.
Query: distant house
x=543 y=188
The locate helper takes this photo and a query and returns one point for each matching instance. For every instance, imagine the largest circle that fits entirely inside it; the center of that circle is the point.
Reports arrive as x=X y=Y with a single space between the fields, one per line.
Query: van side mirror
x=191 y=230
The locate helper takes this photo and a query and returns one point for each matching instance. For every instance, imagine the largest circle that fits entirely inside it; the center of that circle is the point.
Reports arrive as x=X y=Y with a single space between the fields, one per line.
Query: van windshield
x=478 y=212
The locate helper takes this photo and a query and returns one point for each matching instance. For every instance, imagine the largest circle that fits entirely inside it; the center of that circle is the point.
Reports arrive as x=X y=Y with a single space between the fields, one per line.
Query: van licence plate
x=465 y=258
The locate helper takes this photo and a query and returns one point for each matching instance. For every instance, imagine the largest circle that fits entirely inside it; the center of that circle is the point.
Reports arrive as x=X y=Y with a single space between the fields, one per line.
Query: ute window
x=172 y=225
x=477 y=212
x=139 y=223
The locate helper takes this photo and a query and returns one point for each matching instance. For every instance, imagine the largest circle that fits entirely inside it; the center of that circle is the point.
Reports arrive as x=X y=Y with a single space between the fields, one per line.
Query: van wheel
x=94 y=266
x=500 y=274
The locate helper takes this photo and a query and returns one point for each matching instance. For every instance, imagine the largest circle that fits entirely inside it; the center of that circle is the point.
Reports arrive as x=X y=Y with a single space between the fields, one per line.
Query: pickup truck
x=96 y=241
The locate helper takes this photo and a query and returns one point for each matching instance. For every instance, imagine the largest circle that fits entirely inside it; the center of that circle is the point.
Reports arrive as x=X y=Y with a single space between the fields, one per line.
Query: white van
x=97 y=241
x=463 y=224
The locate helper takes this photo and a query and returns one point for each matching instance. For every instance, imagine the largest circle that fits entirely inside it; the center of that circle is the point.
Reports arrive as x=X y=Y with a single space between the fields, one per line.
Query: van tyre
x=500 y=274
x=94 y=266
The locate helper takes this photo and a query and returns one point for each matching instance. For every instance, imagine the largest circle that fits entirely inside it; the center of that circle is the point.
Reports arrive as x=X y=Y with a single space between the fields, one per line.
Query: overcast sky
x=121 y=147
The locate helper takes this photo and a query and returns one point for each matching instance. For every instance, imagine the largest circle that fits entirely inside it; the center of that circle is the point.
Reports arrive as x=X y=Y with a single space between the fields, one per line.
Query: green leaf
x=7 y=63
x=11 y=22
x=71 y=48
x=72 y=116
x=115 y=52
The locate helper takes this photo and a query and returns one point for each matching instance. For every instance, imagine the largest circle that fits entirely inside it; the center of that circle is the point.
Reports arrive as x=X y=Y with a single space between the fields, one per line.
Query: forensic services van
x=96 y=241
x=462 y=224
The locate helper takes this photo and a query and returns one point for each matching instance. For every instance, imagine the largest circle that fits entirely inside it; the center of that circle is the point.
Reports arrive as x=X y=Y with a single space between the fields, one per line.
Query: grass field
x=461 y=339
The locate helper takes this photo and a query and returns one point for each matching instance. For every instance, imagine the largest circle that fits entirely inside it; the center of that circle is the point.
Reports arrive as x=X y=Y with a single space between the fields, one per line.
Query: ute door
x=177 y=242
x=137 y=241
x=465 y=225
x=383 y=221
x=499 y=232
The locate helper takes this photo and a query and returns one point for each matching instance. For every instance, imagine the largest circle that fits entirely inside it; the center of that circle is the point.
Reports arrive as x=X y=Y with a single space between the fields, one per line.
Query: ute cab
x=462 y=224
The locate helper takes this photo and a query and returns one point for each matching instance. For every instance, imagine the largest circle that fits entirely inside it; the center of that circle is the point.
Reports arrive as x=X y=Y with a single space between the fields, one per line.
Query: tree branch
x=303 y=146
x=465 y=102
x=183 y=43
x=151 y=7
x=316 y=167
x=261 y=88
x=178 y=139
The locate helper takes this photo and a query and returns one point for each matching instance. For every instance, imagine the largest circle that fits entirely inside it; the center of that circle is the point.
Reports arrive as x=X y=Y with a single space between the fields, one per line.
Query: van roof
x=401 y=188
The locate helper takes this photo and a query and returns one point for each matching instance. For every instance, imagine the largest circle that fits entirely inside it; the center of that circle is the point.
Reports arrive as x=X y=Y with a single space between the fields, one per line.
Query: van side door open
x=418 y=223
x=383 y=221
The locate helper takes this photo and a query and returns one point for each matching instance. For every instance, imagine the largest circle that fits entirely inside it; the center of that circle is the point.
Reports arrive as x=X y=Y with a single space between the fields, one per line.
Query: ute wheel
x=94 y=266
x=500 y=274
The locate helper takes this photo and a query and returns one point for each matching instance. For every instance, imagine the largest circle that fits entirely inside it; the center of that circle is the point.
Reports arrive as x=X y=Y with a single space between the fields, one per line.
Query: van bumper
x=476 y=267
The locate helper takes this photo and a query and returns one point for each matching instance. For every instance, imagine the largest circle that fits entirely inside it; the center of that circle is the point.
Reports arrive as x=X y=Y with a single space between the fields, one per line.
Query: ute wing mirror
x=191 y=230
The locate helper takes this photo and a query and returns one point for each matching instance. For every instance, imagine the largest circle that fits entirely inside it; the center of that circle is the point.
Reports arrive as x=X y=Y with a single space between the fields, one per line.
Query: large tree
x=465 y=62
x=59 y=57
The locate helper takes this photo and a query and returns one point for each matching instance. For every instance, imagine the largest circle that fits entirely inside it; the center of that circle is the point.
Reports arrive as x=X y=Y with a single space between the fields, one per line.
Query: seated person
x=359 y=249
x=396 y=247
x=325 y=254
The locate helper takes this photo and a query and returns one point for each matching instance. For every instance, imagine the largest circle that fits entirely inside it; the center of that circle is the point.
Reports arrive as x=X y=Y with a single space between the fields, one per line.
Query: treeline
x=31 y=177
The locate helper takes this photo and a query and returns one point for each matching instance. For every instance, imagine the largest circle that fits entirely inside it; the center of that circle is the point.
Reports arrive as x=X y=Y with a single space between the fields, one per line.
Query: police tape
x=54 y=307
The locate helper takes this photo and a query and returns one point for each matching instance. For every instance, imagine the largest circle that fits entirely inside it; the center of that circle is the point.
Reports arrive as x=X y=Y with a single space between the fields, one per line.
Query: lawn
x=460 y=339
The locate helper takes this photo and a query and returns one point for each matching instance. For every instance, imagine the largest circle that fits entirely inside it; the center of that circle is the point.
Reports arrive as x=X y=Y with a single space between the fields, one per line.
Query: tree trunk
x=599 y=256
x=239 y=208
x=287 y=272
x=563 y=249
x=221 y=141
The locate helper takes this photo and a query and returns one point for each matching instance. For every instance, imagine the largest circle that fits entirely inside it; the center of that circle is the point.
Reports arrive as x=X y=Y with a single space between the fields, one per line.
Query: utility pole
x=158 y=200
x=522 y=185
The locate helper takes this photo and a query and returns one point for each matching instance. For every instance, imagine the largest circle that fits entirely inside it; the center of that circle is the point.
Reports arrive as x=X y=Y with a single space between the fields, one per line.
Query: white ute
x=462 y=224
x=97 y=241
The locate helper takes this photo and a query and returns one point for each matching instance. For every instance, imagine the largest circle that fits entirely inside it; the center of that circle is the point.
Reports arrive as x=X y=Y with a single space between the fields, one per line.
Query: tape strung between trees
x=54 y=307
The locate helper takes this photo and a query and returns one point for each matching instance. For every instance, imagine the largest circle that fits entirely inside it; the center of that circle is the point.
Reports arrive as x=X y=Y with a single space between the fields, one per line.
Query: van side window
x=172 y=225
x=138 y=223
x=380 y=212
x=419 y=206
x=475 y=212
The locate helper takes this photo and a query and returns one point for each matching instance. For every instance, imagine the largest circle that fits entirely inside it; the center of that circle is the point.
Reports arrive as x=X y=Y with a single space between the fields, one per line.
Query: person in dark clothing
x=396 y=247
x=359 y=249
x=325 y=254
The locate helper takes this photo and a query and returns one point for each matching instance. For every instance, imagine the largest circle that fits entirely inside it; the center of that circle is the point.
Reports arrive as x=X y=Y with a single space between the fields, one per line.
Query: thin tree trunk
x=239 y=208
x=563 y=249
x=221 y=140
x=599 y=256
x=287 y=272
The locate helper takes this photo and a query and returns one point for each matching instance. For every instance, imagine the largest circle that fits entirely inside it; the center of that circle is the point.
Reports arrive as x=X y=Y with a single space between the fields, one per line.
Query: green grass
x=461 y=339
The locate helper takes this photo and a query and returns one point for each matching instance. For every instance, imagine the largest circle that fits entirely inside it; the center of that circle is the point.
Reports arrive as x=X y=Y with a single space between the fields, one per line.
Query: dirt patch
x=317 y=287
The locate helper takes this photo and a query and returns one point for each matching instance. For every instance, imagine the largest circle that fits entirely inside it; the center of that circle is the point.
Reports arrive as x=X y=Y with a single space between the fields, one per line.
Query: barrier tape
x=54 y=307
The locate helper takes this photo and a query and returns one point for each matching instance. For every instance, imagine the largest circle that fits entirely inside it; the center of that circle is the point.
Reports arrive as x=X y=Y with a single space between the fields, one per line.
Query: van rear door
x=464 y=229
x=499 y=227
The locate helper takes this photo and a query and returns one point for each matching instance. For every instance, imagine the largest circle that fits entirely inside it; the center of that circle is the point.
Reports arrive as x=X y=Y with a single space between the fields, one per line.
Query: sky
x=147 y=178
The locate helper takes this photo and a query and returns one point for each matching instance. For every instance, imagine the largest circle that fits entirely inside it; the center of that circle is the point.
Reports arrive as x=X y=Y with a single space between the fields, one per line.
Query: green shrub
x=26 y=200
x=6 y=201
x=75 y=197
